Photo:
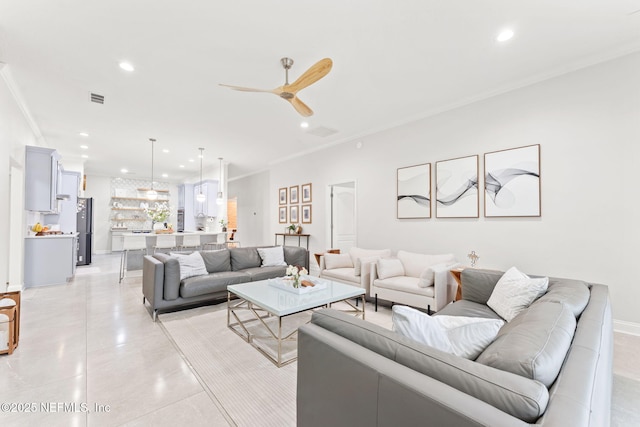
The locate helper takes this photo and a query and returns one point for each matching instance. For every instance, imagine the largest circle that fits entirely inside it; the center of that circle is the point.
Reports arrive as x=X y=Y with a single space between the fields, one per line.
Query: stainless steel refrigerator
x=85 y=230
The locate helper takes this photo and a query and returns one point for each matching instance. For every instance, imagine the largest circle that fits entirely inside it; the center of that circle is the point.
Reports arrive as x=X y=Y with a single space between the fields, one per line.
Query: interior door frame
x=329 y=210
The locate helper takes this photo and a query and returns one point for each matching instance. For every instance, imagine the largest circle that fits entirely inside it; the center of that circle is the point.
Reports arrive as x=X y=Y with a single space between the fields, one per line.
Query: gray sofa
x=550 y=366
x=163 y=289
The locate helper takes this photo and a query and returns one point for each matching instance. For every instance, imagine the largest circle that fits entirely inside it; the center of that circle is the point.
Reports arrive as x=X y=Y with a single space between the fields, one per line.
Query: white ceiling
x=393 y=62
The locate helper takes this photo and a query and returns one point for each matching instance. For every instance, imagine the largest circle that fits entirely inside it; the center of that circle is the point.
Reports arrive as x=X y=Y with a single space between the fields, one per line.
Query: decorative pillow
x=389 y=267
x=272 y=257
x=332 y=261
x=364 y=260
x=469 y=336
x=419 y=327
x=427 y=276
x=414 y=264
x=190 y=265
x=514 y=292
x=358 y=254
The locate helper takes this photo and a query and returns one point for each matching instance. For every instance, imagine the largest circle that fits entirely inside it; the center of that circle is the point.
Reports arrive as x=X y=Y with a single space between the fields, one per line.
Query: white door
x=343 y=216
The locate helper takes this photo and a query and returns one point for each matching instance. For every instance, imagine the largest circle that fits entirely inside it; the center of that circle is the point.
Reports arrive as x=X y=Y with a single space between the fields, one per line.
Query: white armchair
x=353 y=268
x=417 y=280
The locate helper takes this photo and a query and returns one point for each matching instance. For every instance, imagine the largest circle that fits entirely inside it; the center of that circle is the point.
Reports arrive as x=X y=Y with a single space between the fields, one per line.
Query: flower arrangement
x=295 y=271
x=159 y=212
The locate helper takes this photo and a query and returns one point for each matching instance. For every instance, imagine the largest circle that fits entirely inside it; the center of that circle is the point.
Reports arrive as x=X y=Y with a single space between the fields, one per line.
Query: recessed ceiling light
x=84 y=156
x=83 y=134
x=505 y=35
x=84 y=147
x=126 y=66
x=304 y=125
x=165 y=150
x=165 y=175
x=181 y=166
x=191 y=160
x=123 y=170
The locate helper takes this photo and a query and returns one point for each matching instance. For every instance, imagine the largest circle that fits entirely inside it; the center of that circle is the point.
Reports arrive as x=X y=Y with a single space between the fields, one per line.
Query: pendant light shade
x=152 y=194
x=220 y=198
x=201 y=197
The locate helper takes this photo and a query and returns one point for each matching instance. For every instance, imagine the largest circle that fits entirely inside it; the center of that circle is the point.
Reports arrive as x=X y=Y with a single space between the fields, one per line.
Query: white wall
x=254 y=213
x=588 y=125
x=99 y=187
x=15 y=133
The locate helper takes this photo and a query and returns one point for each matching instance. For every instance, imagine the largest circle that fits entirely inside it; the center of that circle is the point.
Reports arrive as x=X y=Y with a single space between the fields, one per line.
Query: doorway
x=342 y=217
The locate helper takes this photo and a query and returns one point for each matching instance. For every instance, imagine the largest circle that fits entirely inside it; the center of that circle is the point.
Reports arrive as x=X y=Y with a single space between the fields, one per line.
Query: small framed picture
x=282 y=214
x=306 y=193
x=282 y=196
x=306 y=214
x=293 y=195
x=293 y=214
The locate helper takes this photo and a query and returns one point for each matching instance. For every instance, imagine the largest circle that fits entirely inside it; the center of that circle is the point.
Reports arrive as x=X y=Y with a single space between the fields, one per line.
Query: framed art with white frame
x=306 y=214
x=414 y=192
x=293 y=214
x=512 y=185
x=282 y=196
x=282 y=214
x=293 y=195
x=457 y=188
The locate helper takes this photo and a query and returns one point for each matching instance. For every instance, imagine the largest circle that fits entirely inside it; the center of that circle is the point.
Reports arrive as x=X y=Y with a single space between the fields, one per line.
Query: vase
x=296 y=281
x=158 y=226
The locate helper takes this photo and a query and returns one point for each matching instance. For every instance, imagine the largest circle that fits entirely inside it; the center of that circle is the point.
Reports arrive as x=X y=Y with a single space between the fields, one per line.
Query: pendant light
x=152 y=194
x=201 y=197
x=219 y=199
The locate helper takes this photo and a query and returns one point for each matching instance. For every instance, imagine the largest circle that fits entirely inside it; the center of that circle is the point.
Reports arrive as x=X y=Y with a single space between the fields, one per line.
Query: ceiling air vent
x=322 y=131
x=98 y=99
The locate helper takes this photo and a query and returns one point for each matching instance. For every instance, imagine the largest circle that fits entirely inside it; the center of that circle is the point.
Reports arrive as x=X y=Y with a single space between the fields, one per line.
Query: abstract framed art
x=512 y=185
x=457 y=188
x=293 y=214
x=282 y=196
x=306 y=214
x=414 y=192
x=306 y=193
x=282 y=214
x=293 y=195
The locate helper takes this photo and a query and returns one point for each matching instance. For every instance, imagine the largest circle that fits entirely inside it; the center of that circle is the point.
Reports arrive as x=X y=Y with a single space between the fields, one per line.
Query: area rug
x=248 y=387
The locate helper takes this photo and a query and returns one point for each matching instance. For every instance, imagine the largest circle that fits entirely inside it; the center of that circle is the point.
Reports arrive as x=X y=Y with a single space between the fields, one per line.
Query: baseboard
x=630 y=328
x=13 y=288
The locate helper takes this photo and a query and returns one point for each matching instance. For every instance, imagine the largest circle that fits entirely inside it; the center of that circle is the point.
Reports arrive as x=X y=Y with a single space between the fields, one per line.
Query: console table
x=285 y=235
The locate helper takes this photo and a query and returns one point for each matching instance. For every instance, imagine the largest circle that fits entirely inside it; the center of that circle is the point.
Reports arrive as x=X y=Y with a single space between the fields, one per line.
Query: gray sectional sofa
x=163 y=289
x=550 y=366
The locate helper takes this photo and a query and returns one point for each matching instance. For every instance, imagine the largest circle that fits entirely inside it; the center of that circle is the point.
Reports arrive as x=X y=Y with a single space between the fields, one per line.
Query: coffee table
x=265 y=302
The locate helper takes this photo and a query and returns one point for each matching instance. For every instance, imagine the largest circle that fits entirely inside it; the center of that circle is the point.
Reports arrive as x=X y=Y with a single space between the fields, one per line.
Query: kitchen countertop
x=202 y=233
x=53 y=236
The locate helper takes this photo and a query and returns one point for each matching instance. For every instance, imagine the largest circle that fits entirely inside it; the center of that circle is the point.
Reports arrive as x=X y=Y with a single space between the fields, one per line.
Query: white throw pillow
x=332 y=261
x=358 y=254
x=272 y=257
x=414 y=264
x=419 y=327
x=190 y=265
x=427 y=277
x=469 y=336
x=389 y=267
x=514 y=292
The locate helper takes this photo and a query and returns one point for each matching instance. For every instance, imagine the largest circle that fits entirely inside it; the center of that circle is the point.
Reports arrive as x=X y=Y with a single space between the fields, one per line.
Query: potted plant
x=292 y=228
x=223 y=224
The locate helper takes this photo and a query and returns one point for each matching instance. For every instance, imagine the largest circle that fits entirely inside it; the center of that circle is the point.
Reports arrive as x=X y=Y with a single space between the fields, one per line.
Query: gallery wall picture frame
x=282 y=196
x=293 y=214
x=306 y=193
x=293 y=195
x=457 y=194
x=414 y=192
x=282 y=215
x=306 y=214
x=512 y=182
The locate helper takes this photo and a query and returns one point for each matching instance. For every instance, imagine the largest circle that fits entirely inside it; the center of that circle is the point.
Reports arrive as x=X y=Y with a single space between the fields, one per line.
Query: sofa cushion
x=216 y=261
x=404 y=284
x=343 y=274
x=214 y=282
x=242 y=258
x=389 y=267
x=414 y=264
x=332 y=261
x=572 y=293
x=467 y=309
x=272 y=257
x=190 y=265
x=264 y=273
x=534 y=344
x=514 y=292
x=478 y=284
x=359 y=255
x=520 y=397
x=294 y=255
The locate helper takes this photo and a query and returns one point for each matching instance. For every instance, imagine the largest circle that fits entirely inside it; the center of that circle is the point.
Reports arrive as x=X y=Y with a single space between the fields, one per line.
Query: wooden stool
x=10 y=314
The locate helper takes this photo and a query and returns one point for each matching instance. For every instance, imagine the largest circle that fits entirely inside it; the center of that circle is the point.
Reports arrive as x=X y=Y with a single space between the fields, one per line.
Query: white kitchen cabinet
x=49 y=260
x=42 y=177
x=117 y=241
x=209 y=206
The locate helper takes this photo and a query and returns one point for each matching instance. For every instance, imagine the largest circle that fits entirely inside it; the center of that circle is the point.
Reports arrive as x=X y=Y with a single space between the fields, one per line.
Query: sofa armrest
x=444 y=286
x=365 y=276
x=152 y=280
x=322 y=264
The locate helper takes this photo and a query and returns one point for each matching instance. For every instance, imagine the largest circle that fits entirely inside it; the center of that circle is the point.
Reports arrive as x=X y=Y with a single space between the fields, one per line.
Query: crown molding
x=5 y=73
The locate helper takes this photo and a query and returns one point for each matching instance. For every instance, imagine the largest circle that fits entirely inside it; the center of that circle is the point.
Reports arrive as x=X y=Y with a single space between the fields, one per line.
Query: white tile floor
x=92 y=341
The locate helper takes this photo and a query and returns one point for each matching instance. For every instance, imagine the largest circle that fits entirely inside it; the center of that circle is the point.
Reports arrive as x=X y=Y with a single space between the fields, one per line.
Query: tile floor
x=93 y=342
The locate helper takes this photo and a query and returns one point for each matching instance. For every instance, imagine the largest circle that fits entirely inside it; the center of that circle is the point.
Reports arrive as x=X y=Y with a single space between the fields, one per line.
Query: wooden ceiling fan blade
x=312 y=75
x=301 y=107
x=248 y=89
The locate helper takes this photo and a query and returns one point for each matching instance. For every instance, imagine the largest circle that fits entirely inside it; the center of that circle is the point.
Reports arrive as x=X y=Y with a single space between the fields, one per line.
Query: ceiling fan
x=289 y=91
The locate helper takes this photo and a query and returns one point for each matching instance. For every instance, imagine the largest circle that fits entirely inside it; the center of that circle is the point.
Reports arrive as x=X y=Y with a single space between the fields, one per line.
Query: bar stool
x=220 y=242
x=190 y=241
x=165 y=241
x=131 y=243
x=9 y=321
